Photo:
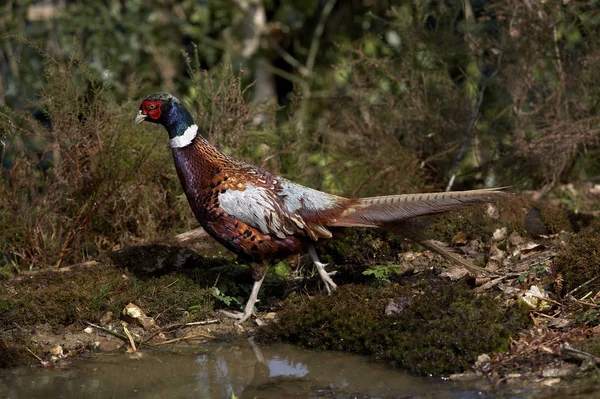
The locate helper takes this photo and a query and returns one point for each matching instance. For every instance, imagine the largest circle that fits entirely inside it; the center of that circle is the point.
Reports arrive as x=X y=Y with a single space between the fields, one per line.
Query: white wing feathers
x=257 y=207
x=279 y=213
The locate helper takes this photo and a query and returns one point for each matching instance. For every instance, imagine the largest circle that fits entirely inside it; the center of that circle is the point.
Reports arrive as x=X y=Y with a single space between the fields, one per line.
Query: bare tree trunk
x=265 y=91
x=253 y=28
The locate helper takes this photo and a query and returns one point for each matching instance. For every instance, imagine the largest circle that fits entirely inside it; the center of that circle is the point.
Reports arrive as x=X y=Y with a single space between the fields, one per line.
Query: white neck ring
x=186 y=138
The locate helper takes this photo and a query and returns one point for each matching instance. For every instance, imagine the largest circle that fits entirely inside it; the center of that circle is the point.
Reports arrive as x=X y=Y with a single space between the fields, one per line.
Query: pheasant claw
x=325 y=277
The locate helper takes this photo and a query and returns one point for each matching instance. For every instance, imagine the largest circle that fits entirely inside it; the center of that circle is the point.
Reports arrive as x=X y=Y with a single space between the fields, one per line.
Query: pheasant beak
x=139 y=118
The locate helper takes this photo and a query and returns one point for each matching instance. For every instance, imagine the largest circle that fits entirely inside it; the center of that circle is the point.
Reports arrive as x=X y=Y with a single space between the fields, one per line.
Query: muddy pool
x=220 y=369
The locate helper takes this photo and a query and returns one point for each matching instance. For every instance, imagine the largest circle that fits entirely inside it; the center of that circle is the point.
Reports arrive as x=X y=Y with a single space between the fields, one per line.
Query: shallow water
x=215 y=370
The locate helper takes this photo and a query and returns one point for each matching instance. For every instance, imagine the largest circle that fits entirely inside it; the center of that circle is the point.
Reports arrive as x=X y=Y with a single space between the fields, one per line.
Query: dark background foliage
x=356 y=97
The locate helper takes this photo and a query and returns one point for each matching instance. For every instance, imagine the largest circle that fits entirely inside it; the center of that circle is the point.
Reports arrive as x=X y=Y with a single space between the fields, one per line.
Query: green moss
x=53 y=297
x=557 y=219
x=13 y=355
x=440 y=328
x=554 y=218
x=475 y=222
x=175 y=297
x=360 y=246
x=71 y=298
x=590 y=345
x=5 y=272
x=579 y=261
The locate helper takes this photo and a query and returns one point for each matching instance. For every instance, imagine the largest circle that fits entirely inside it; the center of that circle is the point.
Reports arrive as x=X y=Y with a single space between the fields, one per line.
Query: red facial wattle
x=152 y=108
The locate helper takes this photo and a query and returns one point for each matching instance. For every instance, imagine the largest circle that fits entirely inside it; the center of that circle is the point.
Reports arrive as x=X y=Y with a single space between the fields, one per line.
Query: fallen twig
x=187 y=337
x=121 y=336
x=108 y=330
x=29 y=273
x=582 y=302
x=202 y=323
x=578 y=354
x=491 y=284
x=574 y=290
x=177 y=326
x=586 y=296
x=191 y=235
x=131 y=340
x=36 y=356
x=544 y=315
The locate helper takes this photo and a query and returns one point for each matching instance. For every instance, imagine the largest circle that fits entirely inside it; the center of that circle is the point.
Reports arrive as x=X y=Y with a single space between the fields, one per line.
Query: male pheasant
x=260 y=216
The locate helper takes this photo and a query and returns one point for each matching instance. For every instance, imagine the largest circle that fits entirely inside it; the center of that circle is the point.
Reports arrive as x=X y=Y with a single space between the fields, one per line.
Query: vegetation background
x=355 y=97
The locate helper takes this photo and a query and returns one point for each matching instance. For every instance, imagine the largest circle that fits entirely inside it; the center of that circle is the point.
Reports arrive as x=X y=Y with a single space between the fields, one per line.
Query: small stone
x=270 y=316
x=396 y=306
x=133 y=313
x=57 y=351
x=551 y=382
x=595 y=189
x=558 y=372
x=499 y=234
x=88 y=330
x=109 y=346
x=468 y=376
x=483 y=363
x=459 y=238
x=515 y=239
x=587 y=364
x=454 y=273
x=492 y=212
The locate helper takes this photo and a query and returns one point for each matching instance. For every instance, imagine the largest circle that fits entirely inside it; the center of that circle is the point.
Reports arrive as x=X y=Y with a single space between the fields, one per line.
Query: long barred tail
x=377 y=211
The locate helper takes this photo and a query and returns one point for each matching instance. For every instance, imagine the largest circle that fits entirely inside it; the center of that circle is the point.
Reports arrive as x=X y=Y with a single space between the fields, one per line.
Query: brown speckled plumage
x=205 y=173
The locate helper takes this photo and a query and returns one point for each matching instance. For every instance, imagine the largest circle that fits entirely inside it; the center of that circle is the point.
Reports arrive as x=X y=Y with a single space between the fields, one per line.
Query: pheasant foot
x=325 y=277
x=249 y=308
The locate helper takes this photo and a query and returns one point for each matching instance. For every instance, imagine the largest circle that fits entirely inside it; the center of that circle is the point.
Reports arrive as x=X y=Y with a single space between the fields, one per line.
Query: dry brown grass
x=102 y=185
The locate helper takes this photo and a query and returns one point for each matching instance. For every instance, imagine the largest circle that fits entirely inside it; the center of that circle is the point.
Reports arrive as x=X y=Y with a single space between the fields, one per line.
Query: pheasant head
x=165 y=109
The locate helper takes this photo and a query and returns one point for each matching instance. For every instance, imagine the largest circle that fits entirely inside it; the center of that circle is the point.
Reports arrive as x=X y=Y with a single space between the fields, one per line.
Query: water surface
x=215 y=370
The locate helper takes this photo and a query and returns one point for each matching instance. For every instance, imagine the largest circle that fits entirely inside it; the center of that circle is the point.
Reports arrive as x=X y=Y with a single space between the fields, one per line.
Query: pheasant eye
x=152 y=109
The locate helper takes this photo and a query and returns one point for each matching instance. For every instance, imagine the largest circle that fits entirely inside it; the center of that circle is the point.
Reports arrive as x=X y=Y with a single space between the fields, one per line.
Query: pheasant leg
x=249 y=308
x=329 y=284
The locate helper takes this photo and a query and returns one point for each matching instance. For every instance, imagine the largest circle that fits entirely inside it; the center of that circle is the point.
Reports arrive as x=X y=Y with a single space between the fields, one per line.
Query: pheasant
x=260 y=216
